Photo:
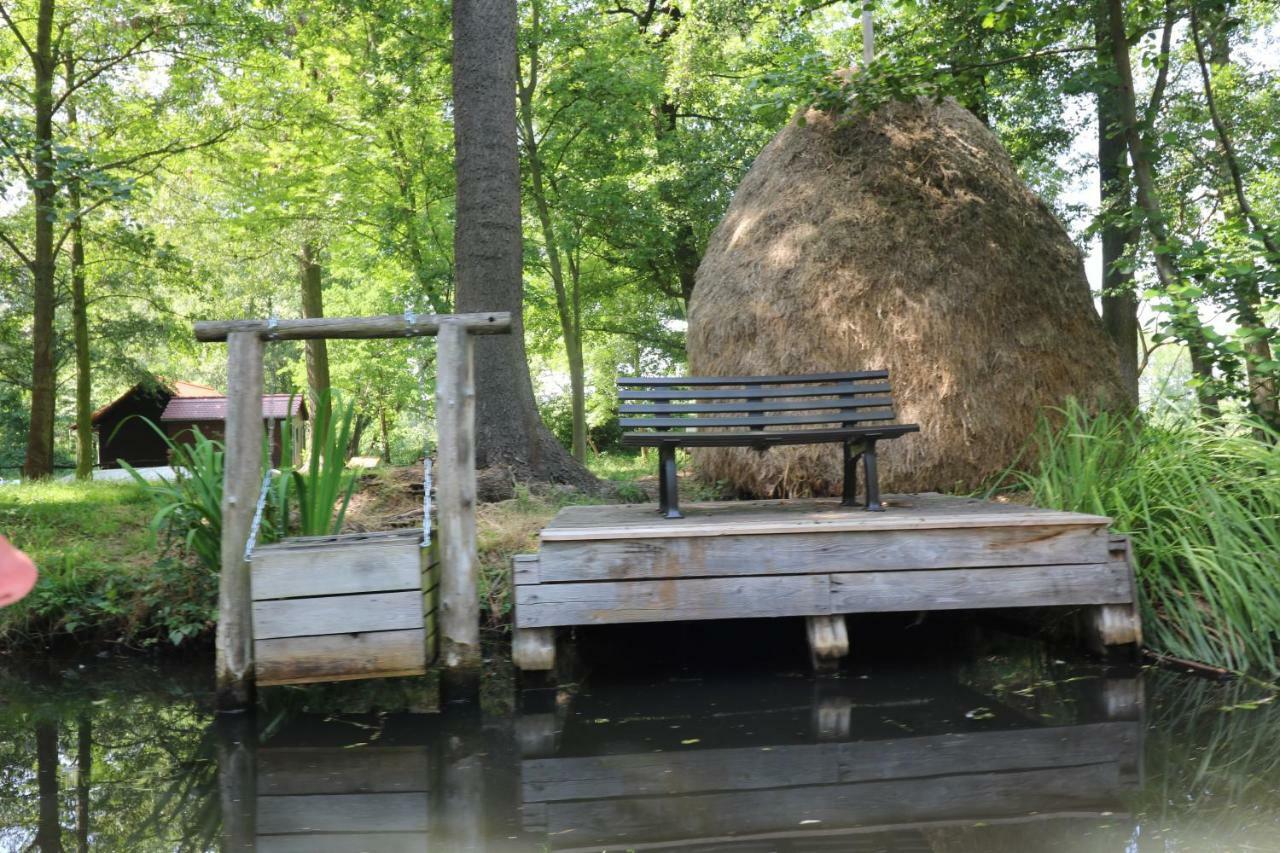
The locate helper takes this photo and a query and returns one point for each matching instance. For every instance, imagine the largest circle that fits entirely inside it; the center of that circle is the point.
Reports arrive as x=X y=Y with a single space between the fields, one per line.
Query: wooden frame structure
x=456 y=495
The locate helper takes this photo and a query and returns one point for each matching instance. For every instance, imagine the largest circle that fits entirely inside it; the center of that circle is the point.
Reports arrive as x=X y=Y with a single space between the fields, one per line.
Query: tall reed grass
x=1201 y=502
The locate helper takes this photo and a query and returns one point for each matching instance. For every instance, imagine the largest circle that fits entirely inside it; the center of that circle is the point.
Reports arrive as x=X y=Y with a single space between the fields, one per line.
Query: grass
x=1202 y=505
x=102 y=575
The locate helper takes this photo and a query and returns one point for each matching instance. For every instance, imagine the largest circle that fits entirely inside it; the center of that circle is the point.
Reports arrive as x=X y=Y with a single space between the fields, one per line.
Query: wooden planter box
x=331 y=608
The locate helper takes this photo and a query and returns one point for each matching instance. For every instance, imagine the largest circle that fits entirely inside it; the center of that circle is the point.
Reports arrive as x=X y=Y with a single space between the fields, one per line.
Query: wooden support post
x=242 y=476
x=828 y=641
x=455 y=512
x=237 y=739
x=534 y=648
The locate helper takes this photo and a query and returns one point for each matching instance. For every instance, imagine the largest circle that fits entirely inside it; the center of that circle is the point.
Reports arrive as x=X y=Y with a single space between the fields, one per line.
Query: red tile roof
x=215 y=408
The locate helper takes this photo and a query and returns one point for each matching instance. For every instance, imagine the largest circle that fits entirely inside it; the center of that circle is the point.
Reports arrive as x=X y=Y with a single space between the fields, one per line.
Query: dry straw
x=902 y=239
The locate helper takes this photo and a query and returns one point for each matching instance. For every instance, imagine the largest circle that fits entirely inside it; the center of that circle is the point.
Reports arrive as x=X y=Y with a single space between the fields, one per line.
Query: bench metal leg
x=668 y=488
x=850 y=494
x=873 y=478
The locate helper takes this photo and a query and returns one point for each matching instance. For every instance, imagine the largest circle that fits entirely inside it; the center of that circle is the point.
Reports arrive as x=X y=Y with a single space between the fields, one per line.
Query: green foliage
x=190 y=505
x=1202 y=503
x=100 y=579
x=322 y=493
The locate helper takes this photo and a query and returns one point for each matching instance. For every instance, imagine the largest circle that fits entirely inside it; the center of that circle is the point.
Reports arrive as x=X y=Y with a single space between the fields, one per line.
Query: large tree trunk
x=487 y=243
x=1119 y=302
x=39 y=462
x=1188 y=324
x=317 y=350
x=79 y=312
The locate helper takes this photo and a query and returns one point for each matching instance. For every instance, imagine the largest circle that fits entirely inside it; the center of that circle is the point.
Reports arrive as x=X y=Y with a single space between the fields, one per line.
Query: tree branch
x=1162 y=76
x=17 y=251
x=22 y=40
x=102 y=68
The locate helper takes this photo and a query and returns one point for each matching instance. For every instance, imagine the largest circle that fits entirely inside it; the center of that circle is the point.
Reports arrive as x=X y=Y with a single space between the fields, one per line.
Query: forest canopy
x=165 y=162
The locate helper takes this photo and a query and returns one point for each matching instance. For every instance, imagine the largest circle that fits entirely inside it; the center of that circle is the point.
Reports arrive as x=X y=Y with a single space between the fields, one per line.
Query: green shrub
x=327 y=483
x=190 y=505
x=1202 y=504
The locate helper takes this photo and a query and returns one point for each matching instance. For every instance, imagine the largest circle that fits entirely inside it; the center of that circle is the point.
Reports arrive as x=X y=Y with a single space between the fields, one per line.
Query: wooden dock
x=814 y=558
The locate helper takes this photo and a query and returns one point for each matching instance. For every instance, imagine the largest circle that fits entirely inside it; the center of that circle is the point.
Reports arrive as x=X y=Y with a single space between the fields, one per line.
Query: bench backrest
x=755 y=402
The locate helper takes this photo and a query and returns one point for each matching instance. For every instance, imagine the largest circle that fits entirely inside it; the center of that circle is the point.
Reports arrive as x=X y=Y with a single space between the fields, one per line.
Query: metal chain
x=252 y=541
x=426 y=501
x=262 y=494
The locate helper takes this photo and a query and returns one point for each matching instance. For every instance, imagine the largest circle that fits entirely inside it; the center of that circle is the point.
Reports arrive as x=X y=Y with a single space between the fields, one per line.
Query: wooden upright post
x=455 y=511
x=242 y=475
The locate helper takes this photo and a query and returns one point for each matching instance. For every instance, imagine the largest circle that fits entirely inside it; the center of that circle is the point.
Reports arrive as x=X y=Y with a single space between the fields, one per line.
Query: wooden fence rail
x=456 y=497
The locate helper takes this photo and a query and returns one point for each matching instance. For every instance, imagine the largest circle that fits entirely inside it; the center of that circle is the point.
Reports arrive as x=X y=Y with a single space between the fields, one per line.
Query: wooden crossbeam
x=388 y=326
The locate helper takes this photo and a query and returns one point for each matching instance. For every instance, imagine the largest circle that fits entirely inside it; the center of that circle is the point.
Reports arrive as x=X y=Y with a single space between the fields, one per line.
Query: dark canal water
x=945 y=737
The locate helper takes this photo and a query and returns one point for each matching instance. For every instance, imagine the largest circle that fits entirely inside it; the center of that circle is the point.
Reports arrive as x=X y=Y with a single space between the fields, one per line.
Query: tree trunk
x=538 y=185
x=79 y=311
x=317 y=349
x=39 y=462
x=487 y=243
x=1248 y=296
x=84 y=780
x=1119 y=302
x=49 y=830
x=1188 y=323
x=385 y=434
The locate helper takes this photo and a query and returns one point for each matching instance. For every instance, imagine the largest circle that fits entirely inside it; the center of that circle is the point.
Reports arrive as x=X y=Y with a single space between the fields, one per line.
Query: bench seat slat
x=664 y=381
x=764 y=438
x=845 y=402
x=837 y=417
x=751 y=393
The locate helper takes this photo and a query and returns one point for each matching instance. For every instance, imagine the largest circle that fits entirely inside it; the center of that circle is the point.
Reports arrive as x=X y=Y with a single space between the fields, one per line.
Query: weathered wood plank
x=749 y=768
x=1026 y=586
x=388 y=326
x=343 y=566
x=903 y=512
x=242 y=477
x=321 y=813
x=340 y=657
x=543 y=605
x=341 y=770
x=311 y=842
x=524 y=568
x=337 y=614
x=815 y=552
x=458 y=602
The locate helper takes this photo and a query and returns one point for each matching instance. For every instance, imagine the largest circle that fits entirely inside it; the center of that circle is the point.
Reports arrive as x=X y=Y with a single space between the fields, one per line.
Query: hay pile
x=904 y=239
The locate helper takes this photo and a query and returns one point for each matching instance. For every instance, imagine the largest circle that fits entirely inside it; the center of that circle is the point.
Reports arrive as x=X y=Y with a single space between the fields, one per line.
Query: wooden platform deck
x=814 y=558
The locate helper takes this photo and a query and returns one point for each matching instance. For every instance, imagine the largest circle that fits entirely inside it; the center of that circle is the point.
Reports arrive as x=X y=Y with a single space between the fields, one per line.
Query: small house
x=175 y=408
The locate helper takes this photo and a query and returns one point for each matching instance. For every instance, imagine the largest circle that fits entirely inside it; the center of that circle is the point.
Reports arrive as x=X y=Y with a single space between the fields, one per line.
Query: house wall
x=122 y=435
x=181 y=433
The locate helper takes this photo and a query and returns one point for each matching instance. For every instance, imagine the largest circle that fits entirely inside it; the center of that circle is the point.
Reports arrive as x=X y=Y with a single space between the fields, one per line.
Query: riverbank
x=109 y=580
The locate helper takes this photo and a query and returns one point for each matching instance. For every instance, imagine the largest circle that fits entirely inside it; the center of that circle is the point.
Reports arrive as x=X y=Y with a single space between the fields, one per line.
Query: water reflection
x=1005 y=751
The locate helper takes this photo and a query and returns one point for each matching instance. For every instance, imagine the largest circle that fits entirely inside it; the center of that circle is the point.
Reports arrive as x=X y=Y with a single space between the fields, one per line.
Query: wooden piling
x=455 y=510
x=242 y=467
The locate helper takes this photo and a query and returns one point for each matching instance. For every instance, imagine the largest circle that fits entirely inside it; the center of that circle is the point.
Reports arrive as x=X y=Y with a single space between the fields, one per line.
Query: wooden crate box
x=331 y=608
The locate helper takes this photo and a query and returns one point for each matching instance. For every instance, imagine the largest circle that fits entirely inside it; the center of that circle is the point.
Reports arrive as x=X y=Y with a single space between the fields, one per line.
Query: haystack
x=903 y=239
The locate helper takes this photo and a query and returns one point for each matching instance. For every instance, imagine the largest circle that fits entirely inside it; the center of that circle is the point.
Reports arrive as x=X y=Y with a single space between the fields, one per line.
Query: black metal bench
x=854 y=409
